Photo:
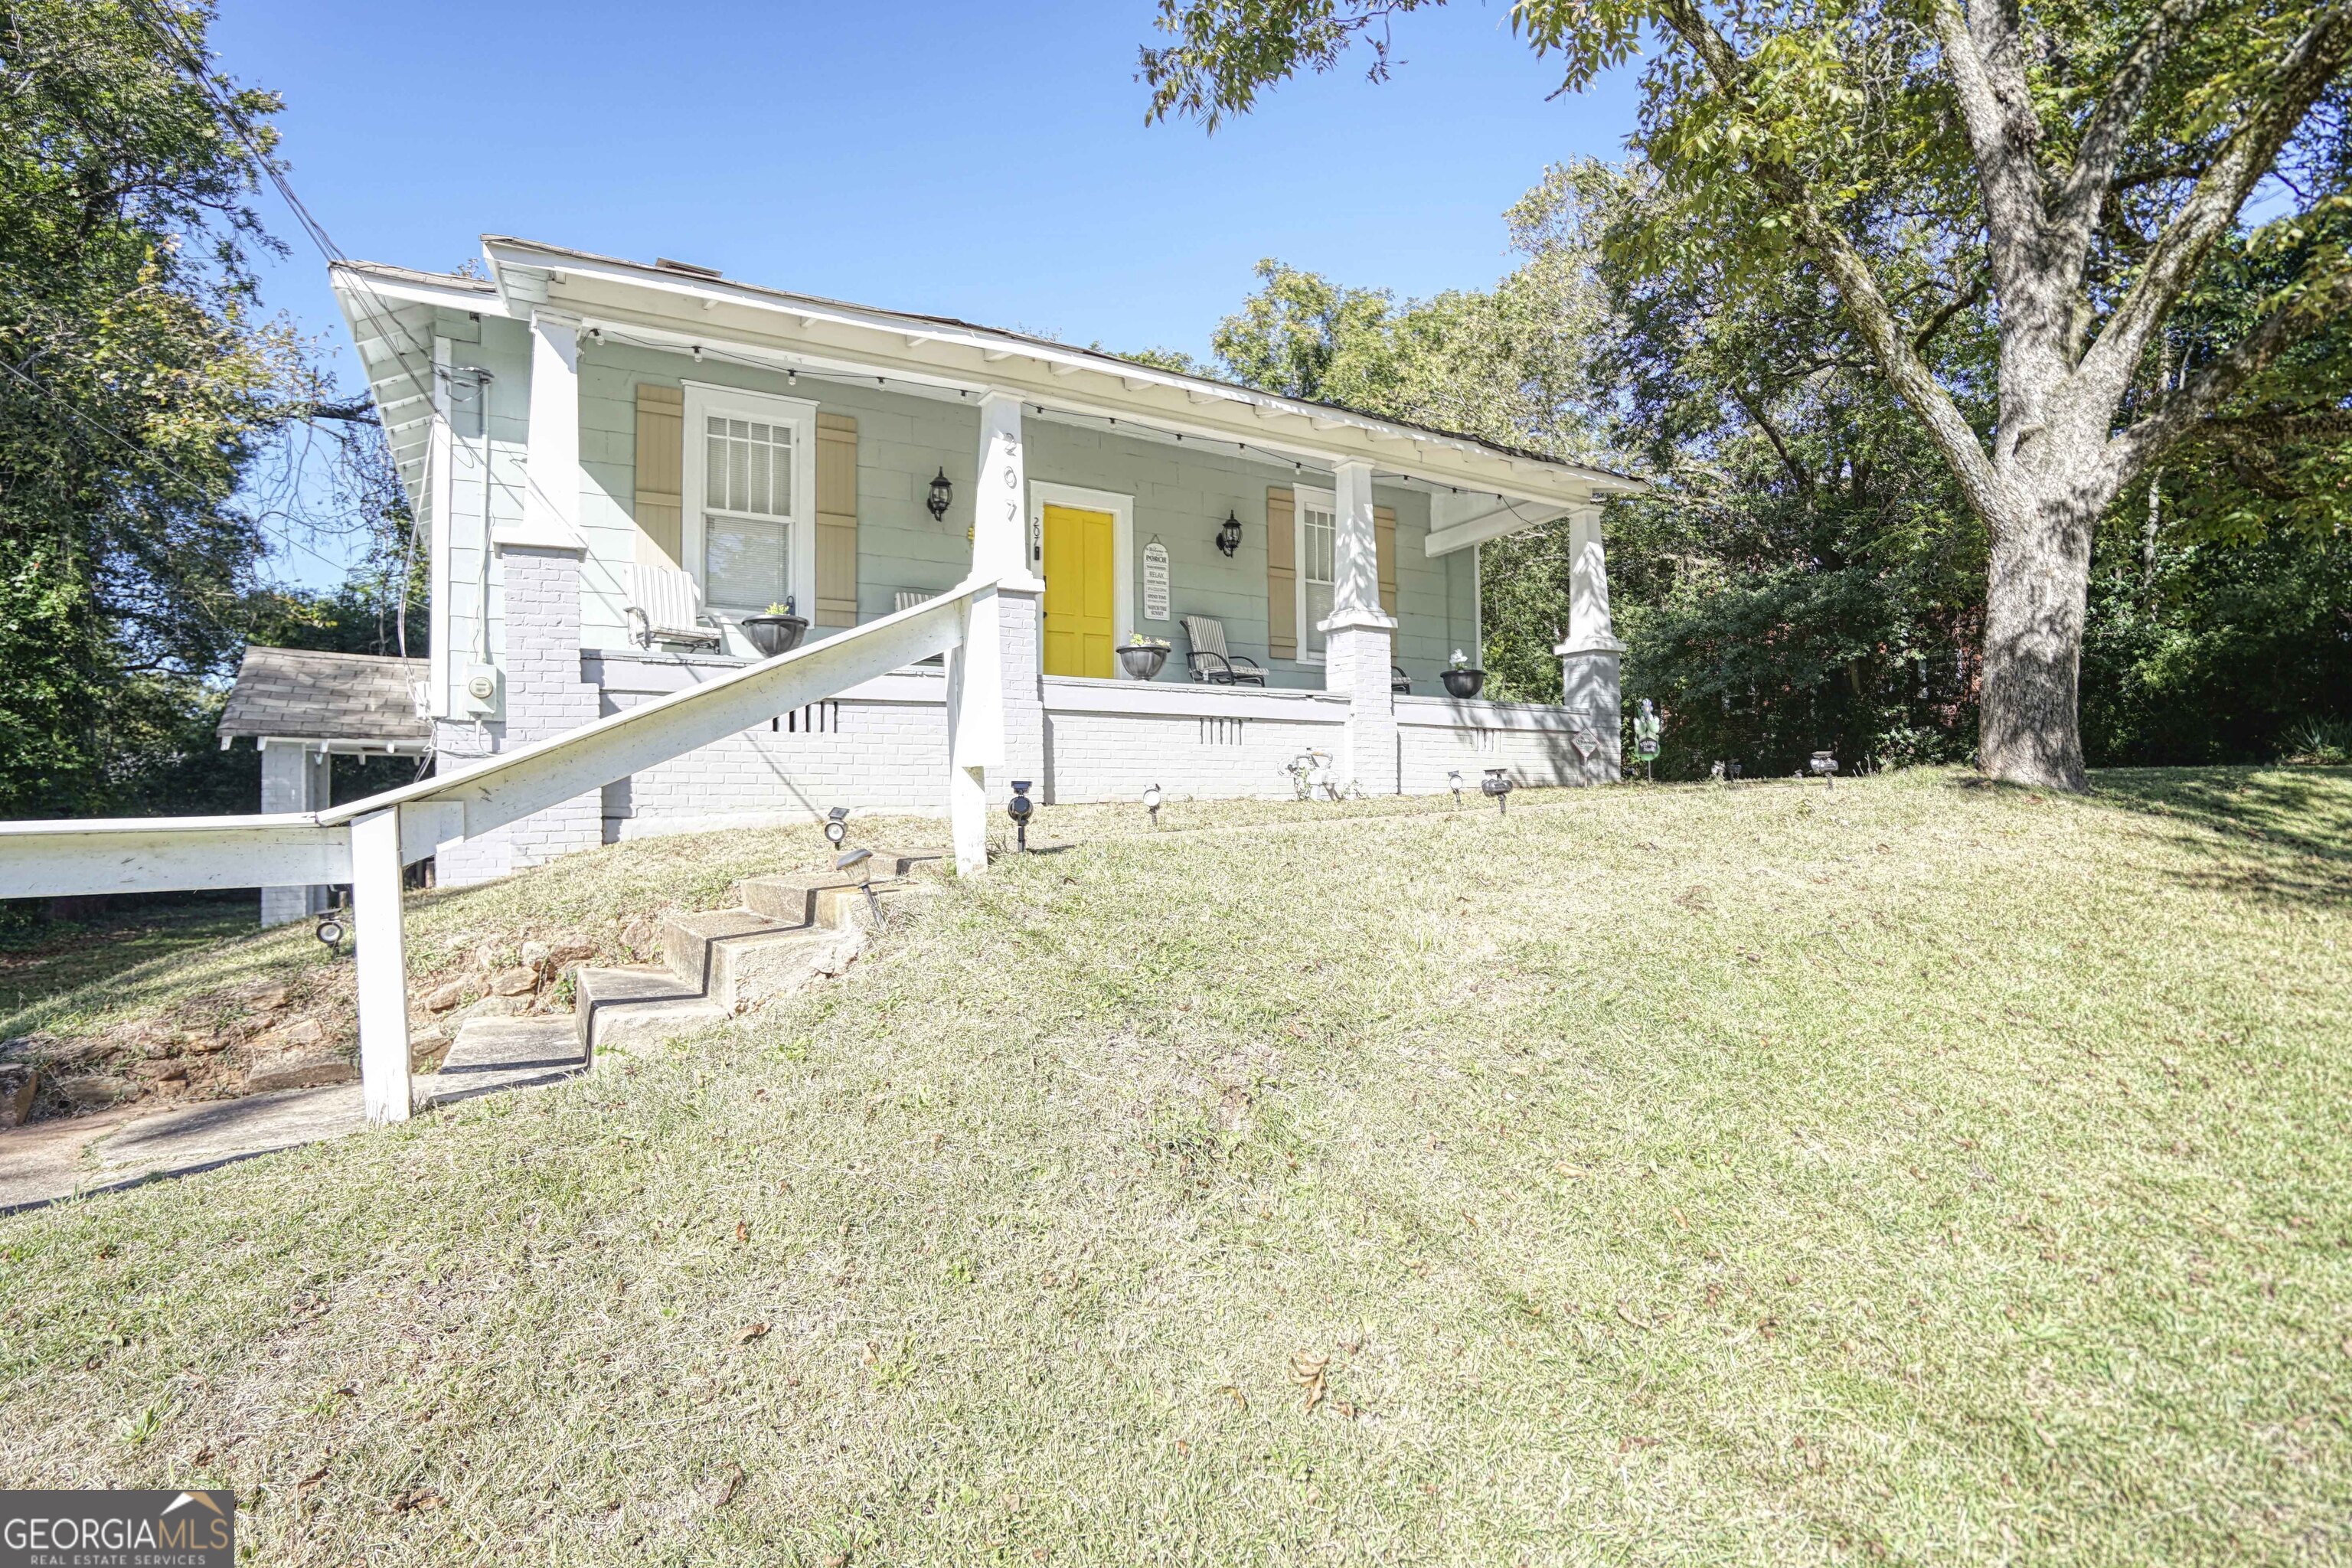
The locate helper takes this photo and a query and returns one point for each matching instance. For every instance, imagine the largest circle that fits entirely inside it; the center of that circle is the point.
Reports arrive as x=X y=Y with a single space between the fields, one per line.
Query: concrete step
x=740 y=958
x=494 y=1054
x=638 y=1005
x=828 y=898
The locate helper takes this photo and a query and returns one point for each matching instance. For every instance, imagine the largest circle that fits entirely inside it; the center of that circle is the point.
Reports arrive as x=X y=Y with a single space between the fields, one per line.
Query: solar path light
x=837 y=826
x=1824 y=767
x=1497 y=783
x=1019 y=809
x=862 y=862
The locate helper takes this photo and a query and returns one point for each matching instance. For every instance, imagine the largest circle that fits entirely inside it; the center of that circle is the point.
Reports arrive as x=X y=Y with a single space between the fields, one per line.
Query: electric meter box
x=483 y=693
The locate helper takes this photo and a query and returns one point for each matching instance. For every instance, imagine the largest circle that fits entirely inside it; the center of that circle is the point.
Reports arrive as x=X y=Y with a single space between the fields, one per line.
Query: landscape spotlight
x=1497 y=783
x=1454 y=783
x=1019 y=808
x=837 y=826
x=1151 y=803
x=331 y=930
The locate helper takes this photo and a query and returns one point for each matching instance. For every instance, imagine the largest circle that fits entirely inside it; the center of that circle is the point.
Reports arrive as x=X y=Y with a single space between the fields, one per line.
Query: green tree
x=138 y=383
x=2078 y=169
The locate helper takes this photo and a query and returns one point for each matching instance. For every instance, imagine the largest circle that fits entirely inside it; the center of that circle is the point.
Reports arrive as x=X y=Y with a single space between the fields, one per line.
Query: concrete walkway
x=53 y=1160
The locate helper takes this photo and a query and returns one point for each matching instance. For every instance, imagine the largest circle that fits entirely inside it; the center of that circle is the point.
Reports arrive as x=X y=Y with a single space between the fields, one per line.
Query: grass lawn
x=44 y=959
x=1922 y=1172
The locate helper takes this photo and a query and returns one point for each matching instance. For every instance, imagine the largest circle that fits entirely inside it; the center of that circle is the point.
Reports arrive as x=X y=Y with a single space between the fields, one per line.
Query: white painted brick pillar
x=1591 y=657
x=1357 y=639
x=293 y=778
x=545 y=695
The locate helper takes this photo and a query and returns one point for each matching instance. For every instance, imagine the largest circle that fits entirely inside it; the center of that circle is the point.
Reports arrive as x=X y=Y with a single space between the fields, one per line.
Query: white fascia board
x=350 y=279
x=994 y=347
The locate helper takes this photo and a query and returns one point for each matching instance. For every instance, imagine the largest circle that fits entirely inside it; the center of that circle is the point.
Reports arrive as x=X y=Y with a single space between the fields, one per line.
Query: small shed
x=301 y=708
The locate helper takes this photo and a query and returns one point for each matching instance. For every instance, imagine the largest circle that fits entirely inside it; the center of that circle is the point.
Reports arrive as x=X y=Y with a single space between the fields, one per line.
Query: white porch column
x=551 y=502
x=1589 y=658
x=996 y=717
x=382 y=963
x=293 y=778
x=1356 y=651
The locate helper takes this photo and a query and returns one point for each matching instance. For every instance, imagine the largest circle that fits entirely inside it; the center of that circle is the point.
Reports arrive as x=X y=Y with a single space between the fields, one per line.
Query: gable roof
x=303 y=694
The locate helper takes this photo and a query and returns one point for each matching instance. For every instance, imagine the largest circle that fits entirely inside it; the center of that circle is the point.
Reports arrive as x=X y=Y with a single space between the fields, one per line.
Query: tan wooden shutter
x=837 y=520
x=661 y=457
x=1384 y=551
x=1281 y=575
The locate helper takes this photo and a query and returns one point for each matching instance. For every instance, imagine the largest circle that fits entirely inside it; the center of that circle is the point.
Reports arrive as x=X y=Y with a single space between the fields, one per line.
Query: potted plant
x=777 y=631
x=1462 y=681
x=1143 y=656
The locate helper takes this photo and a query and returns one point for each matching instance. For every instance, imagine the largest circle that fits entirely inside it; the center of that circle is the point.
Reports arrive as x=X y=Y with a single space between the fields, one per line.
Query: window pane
x=1318 y=610
x=714 y=469
x=755 y=495
x=1321 y=538
x=745 y=564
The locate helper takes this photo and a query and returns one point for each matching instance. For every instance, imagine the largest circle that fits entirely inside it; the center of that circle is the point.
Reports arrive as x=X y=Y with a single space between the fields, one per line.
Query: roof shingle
x=301 y=693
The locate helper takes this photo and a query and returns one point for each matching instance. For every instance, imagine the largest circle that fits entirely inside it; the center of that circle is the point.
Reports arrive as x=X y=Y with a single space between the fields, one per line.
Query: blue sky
x=986 y=161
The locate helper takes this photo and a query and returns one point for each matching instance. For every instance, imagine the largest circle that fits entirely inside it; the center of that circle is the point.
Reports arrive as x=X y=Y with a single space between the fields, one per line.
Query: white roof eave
x=912 y=344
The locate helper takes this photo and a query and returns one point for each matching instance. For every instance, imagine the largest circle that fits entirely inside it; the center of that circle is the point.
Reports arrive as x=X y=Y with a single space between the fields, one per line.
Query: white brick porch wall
x=882 y=746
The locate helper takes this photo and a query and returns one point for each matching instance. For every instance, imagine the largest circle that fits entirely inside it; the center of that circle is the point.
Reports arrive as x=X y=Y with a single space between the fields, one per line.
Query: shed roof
x=304 y=694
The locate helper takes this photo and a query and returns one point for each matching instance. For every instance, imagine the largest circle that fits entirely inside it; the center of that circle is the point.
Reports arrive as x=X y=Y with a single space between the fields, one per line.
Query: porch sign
x=1155 y=582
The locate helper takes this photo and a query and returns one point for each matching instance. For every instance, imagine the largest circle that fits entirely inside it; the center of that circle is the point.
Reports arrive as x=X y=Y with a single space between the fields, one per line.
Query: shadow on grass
x=2277 y=834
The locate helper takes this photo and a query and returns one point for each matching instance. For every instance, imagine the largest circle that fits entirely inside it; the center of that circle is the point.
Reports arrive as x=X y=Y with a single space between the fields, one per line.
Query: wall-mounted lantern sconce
x=943 y=493
x=1229 y=537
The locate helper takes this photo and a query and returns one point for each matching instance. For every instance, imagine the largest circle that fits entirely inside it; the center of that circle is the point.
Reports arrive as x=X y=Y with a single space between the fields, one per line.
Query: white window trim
x=1043 y=494
x=703 y=400
x=1301 y=497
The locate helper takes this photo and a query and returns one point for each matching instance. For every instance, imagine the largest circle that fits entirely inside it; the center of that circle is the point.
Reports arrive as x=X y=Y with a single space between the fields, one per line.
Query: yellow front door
x=1079 y=586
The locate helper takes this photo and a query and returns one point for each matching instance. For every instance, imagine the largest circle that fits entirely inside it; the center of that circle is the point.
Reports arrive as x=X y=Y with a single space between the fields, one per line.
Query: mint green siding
x=1180 y=493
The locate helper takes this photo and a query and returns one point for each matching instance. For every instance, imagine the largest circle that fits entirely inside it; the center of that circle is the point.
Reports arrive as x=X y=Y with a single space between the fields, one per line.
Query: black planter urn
x=773 y=635
x=1143 y=661
x=1463 y=684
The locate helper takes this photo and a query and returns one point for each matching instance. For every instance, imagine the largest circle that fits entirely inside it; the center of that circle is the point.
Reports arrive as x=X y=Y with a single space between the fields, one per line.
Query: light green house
x=628 y=471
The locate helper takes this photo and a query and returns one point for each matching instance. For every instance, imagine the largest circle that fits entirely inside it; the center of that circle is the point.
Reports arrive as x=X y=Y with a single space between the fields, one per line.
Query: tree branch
x=1857 y=285
x=1979 y=50
x=2312 y=301
x=1788 y=460
x=2310 y=64
x=1943 y=314
x=2084 y=189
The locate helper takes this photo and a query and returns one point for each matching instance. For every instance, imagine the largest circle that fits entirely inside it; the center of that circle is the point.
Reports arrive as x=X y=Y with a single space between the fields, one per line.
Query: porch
x=574 y=427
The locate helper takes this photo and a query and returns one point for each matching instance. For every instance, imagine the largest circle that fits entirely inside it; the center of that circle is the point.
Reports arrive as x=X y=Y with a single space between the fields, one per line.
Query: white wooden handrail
x=367 y=842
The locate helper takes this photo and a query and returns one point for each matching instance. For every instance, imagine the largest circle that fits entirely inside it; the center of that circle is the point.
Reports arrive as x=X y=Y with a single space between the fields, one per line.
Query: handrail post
x=383 y=965
x=975 y=729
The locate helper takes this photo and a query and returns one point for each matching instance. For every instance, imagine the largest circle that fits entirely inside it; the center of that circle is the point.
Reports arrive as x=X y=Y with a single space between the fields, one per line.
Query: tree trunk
x=2030 y=727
